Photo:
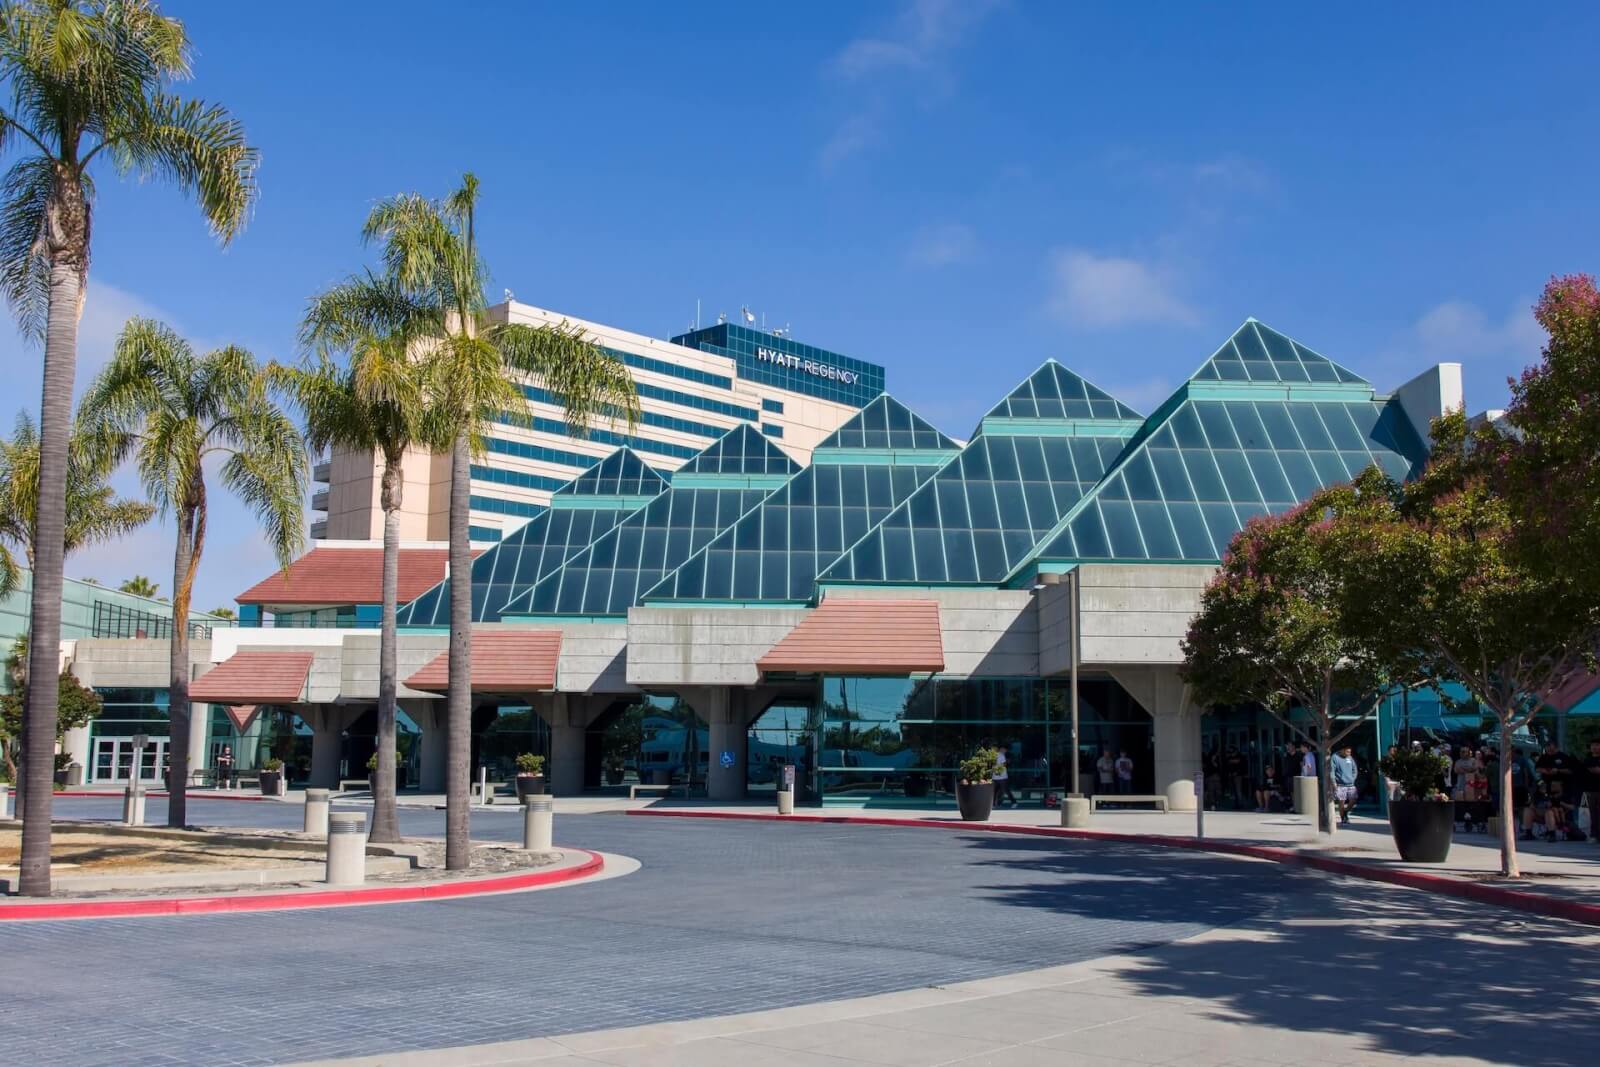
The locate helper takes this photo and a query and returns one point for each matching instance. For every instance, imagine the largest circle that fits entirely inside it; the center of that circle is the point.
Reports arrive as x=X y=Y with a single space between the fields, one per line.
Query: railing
x=119 y=620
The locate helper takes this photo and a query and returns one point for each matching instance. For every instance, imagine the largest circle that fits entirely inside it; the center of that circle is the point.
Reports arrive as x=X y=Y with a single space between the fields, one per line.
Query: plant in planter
x=530 y=775
x=399 y=768
x=616 y=770
x=271 y=778
x=975 y=785
x=1422 y=819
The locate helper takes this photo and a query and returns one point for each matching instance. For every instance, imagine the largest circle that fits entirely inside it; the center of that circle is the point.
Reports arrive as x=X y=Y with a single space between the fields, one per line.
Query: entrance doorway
x=113 y=760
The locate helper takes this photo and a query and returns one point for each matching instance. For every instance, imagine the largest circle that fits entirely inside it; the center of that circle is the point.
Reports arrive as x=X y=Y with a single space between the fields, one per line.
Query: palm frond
x=201 y=148
x=589 y=382
x=24 y=260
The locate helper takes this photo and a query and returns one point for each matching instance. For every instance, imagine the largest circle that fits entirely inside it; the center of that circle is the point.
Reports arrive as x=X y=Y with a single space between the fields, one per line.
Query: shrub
x=980 y=766
x=273 y=764
x=372 y=760
x=528 y=763
x=1419 y=772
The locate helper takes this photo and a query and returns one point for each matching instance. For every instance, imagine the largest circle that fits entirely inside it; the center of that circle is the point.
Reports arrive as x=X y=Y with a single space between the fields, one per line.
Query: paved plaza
x=850 y=944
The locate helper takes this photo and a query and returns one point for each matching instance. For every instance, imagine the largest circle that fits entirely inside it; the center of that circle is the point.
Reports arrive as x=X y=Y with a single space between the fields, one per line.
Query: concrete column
x=1176 y=723
x=76 y=746
x=199 y=734
x=325 y=745
x=723 y=710
x=430 y=719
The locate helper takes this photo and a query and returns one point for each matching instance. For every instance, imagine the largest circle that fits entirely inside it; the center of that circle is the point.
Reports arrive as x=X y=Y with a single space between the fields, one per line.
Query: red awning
x=254 y=678
x=862 y=637
x=349 y=576
x=503 y=661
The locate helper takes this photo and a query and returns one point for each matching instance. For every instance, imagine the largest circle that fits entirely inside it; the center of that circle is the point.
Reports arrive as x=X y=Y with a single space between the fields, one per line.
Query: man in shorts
x=1343 y=766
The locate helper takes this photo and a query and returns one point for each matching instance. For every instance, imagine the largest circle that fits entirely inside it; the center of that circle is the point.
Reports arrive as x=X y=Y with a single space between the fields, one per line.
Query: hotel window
x=771 y=429
x=774 y=406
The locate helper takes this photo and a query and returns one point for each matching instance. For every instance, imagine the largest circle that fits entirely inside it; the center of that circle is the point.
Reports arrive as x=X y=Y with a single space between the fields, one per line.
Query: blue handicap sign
x=727 y=760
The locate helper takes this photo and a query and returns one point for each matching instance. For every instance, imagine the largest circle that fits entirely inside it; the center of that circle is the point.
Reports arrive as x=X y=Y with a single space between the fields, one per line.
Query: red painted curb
x=333 y=898
x=1553 y=907
x=106 y=795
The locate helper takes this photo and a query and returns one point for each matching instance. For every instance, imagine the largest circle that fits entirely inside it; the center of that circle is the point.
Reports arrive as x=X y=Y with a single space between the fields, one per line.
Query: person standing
x=1002 y=779
x=224 y=769
x=1124 y=773
x=1105 y=772
x=1343 y=766
x=1591 y=787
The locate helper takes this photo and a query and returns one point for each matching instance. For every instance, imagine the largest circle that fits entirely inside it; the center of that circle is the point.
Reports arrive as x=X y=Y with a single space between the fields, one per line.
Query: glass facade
x=707 y=496
x=857 y=475
x=787 y=364
x=889 y=739
x=580 y=511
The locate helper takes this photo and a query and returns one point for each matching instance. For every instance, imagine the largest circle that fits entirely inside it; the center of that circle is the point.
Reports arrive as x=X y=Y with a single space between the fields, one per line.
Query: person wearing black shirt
x=1235 y=773
x=1591 y=786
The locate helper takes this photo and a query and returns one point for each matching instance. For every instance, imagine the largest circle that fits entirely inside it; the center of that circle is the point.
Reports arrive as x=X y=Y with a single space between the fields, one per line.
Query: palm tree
x=373 y=403
x=87 y=81
x=178 y=413
x=139 y=585
x=431 y=295
x=94 y=512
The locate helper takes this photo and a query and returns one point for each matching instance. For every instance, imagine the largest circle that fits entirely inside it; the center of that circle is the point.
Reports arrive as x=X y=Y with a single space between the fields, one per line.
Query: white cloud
x=1457 y=330
x=853 y=135
x=915 y=41
x=942 y=245
x=1098 y=292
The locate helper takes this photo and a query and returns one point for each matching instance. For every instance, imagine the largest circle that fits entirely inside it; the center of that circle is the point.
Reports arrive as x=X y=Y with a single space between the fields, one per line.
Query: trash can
x=786 y=789
x=74 y=775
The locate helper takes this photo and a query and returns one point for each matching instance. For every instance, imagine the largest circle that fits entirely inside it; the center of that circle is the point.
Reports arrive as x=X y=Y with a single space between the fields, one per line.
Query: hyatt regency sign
x=809 y=366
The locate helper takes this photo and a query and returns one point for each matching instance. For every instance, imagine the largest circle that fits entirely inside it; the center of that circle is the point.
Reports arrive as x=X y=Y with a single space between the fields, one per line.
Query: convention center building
x=811 y=575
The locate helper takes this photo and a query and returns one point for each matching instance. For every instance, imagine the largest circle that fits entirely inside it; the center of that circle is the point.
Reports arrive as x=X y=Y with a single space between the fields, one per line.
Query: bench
x=636 y=789
x=1158 y=800
x=346 y=783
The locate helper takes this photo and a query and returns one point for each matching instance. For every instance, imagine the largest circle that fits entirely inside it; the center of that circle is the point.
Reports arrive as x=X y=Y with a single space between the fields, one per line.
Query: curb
x=1537 y=904
x=332 y=898
x=106 y=794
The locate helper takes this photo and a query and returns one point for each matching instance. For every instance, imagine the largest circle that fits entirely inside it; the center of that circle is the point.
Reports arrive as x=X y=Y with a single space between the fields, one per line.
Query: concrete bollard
x=786 y=802
x=133 y=806
x=5 y=801
x=1305 y=795
x=1075 y=812
x=347 y=848
x=317 y=812
x=538 y=822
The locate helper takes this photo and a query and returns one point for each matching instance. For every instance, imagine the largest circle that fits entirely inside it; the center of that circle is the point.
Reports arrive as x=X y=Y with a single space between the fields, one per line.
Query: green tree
x=179 y=413
x=371 y=403
x=222 y=613
x=431 y=294
x=78 y=707
x=94 y=512
x=139 y=585
x=1295 y=618
x=87 y=81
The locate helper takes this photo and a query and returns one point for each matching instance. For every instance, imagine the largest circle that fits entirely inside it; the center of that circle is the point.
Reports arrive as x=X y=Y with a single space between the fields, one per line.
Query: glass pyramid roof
x=1054 y=392
x=579 y=512
x=707 y=495
x=981 y=514
x=1258 y=353
x=857 y=476
x=1230 y=447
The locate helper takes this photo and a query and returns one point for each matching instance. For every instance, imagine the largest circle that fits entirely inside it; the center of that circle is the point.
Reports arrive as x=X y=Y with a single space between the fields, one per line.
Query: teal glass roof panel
x=1258 y=353
x=775 y=551
x=979 y=515
x=1054 y=392
x=581 y=511
x=1184 y=503
x=741 y=451
x=885 y=423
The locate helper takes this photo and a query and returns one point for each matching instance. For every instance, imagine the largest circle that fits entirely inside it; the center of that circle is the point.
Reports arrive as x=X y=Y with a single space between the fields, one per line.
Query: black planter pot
x=917 y=784
x=614 y=775
x=1422 y=829
x=270 y=782
x=976 y=800
x=530 y=785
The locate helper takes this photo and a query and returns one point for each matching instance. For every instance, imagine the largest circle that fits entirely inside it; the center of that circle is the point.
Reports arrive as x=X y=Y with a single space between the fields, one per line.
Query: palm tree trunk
x=458 y=705
x=49 y=540
x=385 y=819
x=185 y=558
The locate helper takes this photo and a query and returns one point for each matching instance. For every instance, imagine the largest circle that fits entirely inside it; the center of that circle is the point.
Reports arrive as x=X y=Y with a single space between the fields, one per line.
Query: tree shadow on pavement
x=1311 y=954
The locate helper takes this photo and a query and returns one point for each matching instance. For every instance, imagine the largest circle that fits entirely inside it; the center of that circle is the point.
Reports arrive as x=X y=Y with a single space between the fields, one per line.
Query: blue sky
x=955 y=190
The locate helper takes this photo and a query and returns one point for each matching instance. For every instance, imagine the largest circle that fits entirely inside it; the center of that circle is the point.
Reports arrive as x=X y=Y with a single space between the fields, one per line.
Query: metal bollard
x=5 y=801
x=133 y=805
x=317 y=812
x=538 y=822
x=347 y=848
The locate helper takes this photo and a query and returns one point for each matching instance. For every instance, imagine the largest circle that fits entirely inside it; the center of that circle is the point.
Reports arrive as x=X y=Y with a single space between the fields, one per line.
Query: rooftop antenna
x=749 y=316
x=510 y=296
x=697 y=312
x=722 y=317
